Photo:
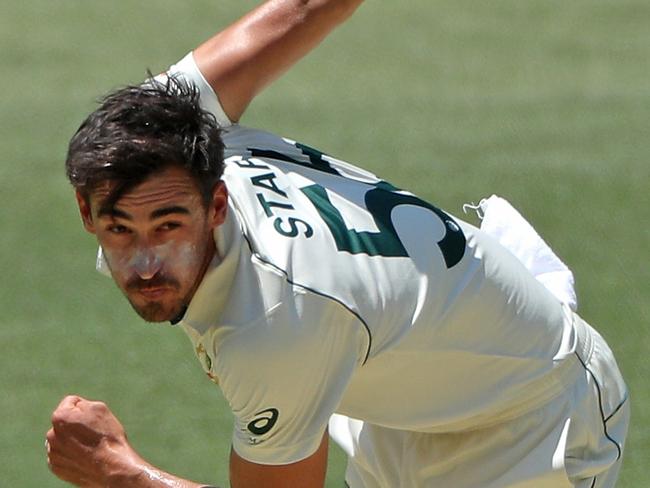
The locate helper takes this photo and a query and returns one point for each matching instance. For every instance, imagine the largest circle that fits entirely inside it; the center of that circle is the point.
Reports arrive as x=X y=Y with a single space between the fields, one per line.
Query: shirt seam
x=292 y=282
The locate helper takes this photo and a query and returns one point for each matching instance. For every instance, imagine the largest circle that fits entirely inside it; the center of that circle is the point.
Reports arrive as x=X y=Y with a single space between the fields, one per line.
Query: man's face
x=157 y=239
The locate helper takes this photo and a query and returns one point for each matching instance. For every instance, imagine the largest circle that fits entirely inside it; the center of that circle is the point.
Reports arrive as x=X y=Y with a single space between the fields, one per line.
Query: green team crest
x=206 y=362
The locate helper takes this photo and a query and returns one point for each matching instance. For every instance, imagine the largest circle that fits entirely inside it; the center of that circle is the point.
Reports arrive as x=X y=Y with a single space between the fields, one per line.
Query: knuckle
x=99 y=407
x=70 y=400
x=56 y=417
x=59 y=418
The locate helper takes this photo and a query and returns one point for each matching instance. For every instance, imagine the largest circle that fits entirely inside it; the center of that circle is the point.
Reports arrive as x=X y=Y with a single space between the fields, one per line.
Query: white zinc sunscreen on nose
x=146 y=262
x=178 y=259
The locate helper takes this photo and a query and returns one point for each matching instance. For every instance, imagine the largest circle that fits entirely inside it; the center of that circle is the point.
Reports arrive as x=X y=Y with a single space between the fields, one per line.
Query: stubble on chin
x=155 y=312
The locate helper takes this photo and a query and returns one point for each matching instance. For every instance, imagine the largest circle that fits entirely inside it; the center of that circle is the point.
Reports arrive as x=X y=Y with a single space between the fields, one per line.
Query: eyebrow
x=113 y=212
x=156 y=214
x=162 y=212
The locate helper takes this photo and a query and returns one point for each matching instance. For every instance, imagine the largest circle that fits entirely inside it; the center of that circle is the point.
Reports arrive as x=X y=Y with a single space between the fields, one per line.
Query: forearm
x=249 y=54
x=155 y=478
x=129 y=470
x=134 y=472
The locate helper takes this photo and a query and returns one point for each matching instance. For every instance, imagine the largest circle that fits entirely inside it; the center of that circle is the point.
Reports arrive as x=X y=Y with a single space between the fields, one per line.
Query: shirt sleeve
x=187 y=69
x=285 y=375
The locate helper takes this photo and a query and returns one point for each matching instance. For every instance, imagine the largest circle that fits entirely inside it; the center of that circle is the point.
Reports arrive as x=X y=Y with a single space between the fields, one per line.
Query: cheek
x=183 y=259
x=119 y=261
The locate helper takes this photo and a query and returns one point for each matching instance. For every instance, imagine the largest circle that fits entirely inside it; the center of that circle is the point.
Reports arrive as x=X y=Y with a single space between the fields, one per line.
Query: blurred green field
x=544 y=102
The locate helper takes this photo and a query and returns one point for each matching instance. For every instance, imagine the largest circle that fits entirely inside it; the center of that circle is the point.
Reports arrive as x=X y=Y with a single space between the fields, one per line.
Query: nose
x=146 y=263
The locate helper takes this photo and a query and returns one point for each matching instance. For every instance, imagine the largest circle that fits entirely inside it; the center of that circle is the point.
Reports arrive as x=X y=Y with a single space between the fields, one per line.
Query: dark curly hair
x=139 y=130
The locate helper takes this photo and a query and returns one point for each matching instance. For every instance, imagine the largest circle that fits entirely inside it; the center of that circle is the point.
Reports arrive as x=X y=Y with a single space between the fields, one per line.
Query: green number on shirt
x=385 y=242
x=380 y=201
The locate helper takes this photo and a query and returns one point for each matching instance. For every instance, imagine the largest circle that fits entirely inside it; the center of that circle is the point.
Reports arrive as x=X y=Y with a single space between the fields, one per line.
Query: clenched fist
x=87 y=445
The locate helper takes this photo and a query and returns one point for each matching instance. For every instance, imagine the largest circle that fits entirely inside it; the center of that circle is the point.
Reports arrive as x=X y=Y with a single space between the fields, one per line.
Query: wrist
x=131 y=471
x=126 y=469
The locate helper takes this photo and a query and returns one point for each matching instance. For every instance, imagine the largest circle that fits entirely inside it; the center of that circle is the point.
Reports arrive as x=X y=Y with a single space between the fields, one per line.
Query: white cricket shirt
x=333 y=291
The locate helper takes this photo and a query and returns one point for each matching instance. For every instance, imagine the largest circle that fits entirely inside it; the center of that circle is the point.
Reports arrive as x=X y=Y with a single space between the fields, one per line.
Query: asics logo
x=264 y=422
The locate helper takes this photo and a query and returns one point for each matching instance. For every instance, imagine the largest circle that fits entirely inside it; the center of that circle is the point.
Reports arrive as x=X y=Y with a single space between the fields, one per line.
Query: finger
x=48 y=442
x=69 y=401
x=98 y=407
x=62 y=413
x=69 y=465
x=68 y=455
x=62 y=458
x=66 y=470
x=57 y=444
x=69 y=442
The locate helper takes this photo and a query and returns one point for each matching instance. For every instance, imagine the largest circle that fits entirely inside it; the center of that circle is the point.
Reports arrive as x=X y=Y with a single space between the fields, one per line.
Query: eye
x=118 y=229
x=167 y=226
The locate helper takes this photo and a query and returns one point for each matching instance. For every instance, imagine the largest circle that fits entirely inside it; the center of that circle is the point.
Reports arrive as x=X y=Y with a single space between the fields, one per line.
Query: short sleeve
x=188 y=70
x=285 y=375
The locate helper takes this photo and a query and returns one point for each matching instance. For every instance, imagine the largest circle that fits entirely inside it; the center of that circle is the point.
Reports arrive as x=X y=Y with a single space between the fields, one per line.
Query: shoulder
x=284 y=373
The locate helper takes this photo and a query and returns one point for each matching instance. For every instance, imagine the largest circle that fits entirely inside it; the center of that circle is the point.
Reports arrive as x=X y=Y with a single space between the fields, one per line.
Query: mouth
x=154 y=292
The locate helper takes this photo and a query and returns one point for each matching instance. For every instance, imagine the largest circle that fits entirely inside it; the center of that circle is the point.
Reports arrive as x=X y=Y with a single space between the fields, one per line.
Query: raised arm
x=241 y=60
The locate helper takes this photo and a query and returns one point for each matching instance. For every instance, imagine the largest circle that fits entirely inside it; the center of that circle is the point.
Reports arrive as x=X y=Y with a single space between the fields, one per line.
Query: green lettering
x=267 y=181
x=293 y=227
x=266 y=205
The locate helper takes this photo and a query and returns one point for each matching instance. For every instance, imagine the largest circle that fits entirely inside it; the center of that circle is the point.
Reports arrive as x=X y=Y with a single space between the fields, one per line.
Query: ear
x=85 y=211
x=219 y=205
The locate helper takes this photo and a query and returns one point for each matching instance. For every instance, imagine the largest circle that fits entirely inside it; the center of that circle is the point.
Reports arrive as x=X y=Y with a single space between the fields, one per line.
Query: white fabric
x=334 y=292
x=503 y=222
x=101 y=264
x=271 y=345
x=561 y=444
x=188 y=69
x=443 y=349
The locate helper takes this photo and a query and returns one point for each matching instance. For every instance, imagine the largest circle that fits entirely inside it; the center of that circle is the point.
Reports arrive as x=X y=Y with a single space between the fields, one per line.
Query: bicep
x=309 y=472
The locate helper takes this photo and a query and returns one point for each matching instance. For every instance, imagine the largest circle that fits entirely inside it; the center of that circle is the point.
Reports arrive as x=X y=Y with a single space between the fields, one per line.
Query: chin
x=156 y=312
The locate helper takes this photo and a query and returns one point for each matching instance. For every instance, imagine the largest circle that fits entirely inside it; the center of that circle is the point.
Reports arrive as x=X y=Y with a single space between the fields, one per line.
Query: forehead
x=170 y=185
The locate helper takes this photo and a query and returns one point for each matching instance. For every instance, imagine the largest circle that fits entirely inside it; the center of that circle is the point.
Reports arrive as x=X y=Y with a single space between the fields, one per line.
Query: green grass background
x=544 y=102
